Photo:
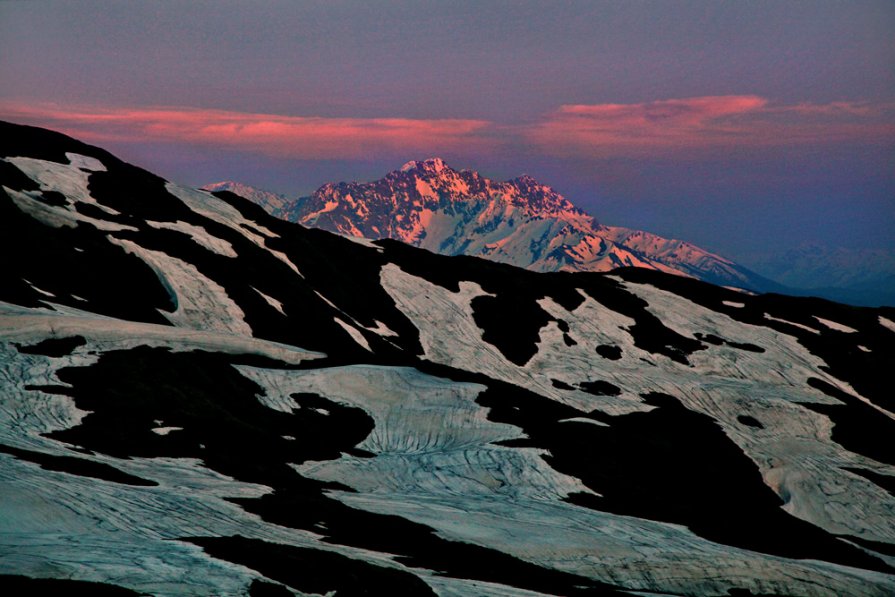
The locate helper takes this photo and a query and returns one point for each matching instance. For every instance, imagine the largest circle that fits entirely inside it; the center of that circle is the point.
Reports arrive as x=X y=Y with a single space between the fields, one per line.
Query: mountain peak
x=521 y=221
x=527 y=181
x=224 y=185
x=434 y=164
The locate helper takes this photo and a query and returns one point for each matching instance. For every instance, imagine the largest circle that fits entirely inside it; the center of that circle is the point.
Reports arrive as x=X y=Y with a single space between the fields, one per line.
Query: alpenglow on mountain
x=525 y=223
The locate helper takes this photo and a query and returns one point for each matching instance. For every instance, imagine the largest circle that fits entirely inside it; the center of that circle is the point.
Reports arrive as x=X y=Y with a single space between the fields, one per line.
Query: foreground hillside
x=200 y=399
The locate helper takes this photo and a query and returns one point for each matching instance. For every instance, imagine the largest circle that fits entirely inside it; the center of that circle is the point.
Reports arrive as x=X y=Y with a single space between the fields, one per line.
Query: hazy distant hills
x=520 y=221
x=859 y=276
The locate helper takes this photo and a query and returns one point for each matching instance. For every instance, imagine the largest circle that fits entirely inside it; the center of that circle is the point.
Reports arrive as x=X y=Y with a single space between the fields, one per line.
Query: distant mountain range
x=428 y=204
x=858 y=276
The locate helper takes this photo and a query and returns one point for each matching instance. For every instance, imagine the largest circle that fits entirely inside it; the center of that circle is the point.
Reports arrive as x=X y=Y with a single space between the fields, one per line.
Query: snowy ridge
x=521 y=221
x=271 y=202
x=198 y=398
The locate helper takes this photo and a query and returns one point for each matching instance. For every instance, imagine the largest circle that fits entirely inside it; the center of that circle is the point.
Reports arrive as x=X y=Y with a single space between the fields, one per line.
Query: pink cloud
x=706 y=123
x=270 y=134
x=650 y=129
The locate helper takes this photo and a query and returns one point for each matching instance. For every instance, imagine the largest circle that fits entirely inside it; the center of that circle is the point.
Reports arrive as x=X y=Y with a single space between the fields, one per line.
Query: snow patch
x=199 y=235
x=201 y=303
x=84 y=162
x=43 y=292
x=29 y=326
x=62 y=178
x=798 y=325
x=55 y=216
x=584 y=420
x=381 y=329
x=285 y=259
x=214 y=208
x=270 y=301
x=354 y=333
x=836 y=326
x=449 y=335
x=165 y=430
x=430 y=436
x=328 y=302
x=363 y=241
x=738 y=289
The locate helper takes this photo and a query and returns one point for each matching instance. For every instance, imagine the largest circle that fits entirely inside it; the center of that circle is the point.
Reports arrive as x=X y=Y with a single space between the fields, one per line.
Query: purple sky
x=742 y=126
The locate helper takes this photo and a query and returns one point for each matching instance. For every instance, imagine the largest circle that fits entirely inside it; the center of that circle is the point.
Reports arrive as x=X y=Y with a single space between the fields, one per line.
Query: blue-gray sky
x=741 y=126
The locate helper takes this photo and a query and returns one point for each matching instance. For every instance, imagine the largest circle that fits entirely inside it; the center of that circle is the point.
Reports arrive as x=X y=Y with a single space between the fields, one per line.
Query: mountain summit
x=520 y=221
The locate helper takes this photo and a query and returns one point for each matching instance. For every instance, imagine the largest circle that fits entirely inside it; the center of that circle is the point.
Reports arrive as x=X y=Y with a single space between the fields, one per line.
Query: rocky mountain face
x=197 y=398
x=428 y=204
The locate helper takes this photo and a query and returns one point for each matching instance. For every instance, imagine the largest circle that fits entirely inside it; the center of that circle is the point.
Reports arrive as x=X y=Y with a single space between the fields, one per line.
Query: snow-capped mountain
x=428 y=204
x=197 y=398
x=273 y=203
